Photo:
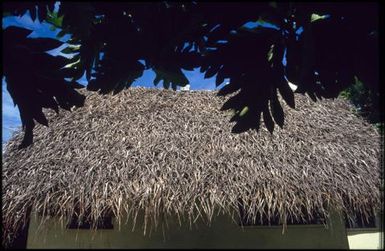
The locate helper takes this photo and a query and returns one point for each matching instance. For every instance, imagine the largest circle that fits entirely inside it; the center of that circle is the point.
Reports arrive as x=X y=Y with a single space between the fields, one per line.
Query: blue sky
x=10 y=116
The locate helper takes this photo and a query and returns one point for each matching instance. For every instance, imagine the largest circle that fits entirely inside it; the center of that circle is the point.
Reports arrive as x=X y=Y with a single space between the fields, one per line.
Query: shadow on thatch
x=173 y=153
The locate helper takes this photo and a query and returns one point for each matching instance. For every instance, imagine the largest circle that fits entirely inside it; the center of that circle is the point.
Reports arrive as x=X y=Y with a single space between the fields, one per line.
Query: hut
x=159 y=168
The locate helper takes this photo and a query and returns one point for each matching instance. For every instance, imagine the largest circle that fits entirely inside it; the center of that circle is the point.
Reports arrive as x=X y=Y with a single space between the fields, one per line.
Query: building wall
x=223 y=233
x=365 y=239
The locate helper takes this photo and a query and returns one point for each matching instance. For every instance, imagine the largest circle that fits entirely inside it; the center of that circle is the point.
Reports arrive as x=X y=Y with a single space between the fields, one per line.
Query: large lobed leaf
x=336 y=44
x=41 y=84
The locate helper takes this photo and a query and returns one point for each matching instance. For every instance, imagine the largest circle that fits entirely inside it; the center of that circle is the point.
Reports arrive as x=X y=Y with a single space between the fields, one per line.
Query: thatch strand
x=173 y=153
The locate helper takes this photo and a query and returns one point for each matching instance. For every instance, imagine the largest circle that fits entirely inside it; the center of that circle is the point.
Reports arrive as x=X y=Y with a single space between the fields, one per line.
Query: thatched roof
x=173 y=152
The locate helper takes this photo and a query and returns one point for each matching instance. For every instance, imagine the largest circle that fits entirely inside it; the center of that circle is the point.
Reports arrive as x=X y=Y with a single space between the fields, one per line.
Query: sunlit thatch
x=173 y=152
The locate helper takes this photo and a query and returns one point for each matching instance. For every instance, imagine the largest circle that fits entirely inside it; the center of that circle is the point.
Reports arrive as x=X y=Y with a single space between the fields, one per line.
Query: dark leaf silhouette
x=277 y=112
x=41 y=82
x=325 y=46
x=20 y=8
x=268 y=120
x=228 y=88
x=286 y=93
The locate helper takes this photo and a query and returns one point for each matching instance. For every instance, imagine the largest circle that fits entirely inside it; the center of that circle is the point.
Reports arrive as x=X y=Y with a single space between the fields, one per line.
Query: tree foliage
x=366 y=100
x=34 y=79
x=339 y=41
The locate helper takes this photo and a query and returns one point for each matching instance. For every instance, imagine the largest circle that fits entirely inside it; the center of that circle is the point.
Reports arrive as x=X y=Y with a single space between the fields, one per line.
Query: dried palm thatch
x=169 y=152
